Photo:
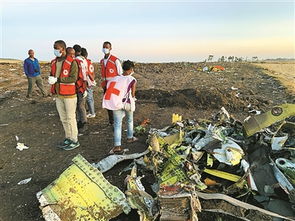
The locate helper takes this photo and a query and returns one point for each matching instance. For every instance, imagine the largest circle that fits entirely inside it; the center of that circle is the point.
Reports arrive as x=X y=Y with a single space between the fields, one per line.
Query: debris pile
x=221 y=165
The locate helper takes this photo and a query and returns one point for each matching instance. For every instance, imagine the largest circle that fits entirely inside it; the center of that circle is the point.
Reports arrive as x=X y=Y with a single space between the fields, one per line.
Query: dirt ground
x=163 y=89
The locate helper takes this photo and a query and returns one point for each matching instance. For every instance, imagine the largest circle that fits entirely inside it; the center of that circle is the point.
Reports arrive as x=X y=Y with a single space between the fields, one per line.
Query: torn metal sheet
x=138 y=198
x=288 y=168
x=179 y=207
x=259 y=122
x=223 y=175
x=154 y=143
x=81 y=193
x=241 y=209
x=110 y=161
x=230 y=153
x=283 y=181
x=198 y=143
x=250 y=179
x=277 y=143
x=174 y=139
x=197 y=156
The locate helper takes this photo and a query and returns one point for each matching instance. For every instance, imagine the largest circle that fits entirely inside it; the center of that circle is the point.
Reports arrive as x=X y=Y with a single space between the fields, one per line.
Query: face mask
x=106 y=50
x=131 y=73
x=57 y=53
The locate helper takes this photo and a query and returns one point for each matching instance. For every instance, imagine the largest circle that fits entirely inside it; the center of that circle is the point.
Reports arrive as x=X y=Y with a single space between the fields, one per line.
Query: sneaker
x=71 y=146
x=91 y=115
x=65 y=143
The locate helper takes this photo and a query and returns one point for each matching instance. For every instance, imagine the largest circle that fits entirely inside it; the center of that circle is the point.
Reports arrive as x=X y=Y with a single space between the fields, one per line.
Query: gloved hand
x=85 y=94
x=52 y=80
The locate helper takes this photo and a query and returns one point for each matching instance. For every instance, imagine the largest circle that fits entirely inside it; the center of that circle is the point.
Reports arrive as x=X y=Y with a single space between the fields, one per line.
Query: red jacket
x=109 y=71
x=64 y=88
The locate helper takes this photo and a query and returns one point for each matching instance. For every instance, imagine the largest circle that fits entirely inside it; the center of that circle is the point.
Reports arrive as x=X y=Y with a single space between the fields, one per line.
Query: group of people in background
x=72 y=79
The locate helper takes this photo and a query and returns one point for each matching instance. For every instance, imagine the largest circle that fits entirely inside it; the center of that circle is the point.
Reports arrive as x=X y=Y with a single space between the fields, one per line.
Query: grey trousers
x=35 y=80
x=81 y=109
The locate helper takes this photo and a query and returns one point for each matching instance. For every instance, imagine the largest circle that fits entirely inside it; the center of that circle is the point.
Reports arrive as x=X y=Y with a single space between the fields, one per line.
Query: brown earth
x=163 y=89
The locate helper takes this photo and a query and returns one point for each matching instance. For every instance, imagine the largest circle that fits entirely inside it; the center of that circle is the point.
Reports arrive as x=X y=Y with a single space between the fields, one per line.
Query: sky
x=150 y=31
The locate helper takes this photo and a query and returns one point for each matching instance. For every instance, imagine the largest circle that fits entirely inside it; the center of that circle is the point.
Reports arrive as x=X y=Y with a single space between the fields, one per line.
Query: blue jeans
x=118 y=118
x=90 y=100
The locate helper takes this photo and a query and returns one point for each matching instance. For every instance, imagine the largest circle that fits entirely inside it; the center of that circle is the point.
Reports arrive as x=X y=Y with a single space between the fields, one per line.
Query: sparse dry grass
x=9 y=61
x=16 y=61
x=284 y=72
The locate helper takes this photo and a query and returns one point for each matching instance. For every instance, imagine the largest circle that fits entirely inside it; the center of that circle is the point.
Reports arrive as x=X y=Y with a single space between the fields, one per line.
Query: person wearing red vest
x=81 y=87
x=90 y=84
x=110 y=68
x=63 y=77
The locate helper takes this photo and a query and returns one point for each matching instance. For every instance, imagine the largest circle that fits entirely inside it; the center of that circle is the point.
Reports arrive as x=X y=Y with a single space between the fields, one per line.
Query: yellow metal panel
x=82 y=193
x=278 y=113
x=223 y=175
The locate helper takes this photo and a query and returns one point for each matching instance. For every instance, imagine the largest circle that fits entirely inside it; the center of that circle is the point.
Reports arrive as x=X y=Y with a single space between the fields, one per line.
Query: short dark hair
x=84 y=52
x=107 y=42
x=61 y=43
x=127 y=65
x=77 y=48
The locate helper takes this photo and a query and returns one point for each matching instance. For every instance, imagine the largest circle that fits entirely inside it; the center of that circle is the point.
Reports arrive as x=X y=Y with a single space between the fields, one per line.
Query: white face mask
x=57 y=53
x=131 y=73
x=106 y=50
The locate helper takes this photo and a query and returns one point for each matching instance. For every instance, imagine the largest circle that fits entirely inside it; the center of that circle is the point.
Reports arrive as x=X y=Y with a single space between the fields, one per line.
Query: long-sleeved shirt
x=31 y=67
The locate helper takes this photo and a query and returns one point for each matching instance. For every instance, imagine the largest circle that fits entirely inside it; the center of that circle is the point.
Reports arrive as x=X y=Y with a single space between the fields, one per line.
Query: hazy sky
x=148 y=31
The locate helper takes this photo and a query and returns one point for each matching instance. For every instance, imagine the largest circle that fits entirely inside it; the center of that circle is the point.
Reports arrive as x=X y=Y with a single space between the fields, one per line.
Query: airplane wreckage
x=242 y=169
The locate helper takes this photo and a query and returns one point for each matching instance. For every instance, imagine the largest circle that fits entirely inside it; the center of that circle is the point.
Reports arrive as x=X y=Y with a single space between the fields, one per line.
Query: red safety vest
x=109 y=71
x=64 y=88
x=81 y=84
x=90 y=70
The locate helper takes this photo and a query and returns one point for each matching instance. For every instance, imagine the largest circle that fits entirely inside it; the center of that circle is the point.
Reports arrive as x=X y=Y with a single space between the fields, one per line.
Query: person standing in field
x=90 y=84
x=110 y=68
x=120 y=98
x=63 y=77
x=33 y=73
x=81 y=87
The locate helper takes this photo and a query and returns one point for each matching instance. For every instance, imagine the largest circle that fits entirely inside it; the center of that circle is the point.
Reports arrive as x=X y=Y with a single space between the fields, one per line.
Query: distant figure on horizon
x=81 y=87
x=90 y=84
x=110 y=68
x=63 y=77
x=33 y=73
